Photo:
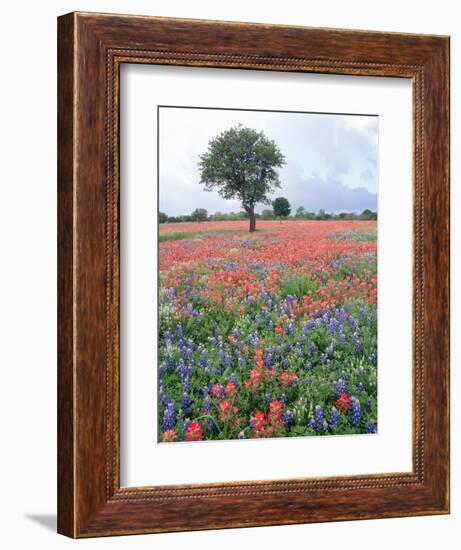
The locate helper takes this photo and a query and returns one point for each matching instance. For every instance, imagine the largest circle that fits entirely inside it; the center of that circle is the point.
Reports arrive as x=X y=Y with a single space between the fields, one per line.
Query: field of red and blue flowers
x=267 y=334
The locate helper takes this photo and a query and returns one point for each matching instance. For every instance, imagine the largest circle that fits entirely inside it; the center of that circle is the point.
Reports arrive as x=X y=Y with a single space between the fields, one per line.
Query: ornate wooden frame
x=91 y=48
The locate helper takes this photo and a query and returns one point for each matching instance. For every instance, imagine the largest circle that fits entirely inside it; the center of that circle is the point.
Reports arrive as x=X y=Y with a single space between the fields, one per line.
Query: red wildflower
x=226 y=409
x=259 y=358
x=343 y=403
x=193 y=432
x=169 y=435
x=256 y=376
x=288 y=378
x=218 y=391
x=258 y=421
x=275 y=413
x=278 y=329
x=230 y=389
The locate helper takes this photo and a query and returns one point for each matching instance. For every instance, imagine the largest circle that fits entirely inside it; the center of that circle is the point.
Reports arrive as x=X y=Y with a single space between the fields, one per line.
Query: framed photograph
x=253 y=275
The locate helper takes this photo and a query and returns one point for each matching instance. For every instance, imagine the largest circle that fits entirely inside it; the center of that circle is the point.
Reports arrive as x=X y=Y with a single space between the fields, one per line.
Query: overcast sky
x=331 y=160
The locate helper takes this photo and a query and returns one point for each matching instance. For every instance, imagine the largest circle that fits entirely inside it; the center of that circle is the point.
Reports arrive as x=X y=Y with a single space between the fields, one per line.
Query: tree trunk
x=251 y=213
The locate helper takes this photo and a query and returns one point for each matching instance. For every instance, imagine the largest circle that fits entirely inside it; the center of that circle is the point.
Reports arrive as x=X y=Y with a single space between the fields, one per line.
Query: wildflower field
x=267 y=334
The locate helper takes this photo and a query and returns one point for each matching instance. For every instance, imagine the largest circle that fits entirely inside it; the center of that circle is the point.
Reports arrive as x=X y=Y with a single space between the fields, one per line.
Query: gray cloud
x=314 y=193
x=331 y=160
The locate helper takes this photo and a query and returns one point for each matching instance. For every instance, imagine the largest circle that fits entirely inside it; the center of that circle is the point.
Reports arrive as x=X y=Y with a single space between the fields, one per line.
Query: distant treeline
x=201 y=215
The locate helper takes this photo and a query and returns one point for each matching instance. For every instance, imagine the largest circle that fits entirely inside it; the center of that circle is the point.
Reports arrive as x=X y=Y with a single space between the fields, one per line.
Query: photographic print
x=267 y=274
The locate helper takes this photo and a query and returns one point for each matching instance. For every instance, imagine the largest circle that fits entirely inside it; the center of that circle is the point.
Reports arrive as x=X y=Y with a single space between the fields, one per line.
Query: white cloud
x=317 y=147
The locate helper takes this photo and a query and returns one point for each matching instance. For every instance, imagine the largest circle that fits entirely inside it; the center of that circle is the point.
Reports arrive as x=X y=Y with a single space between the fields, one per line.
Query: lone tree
x=162 y=217
x=199 y=215
x=241 y=163
x=281 y=207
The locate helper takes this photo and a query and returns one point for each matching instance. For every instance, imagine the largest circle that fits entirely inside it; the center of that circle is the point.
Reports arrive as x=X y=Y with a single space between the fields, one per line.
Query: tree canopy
x=281 y=207
x=199 y=215
x=241 y=163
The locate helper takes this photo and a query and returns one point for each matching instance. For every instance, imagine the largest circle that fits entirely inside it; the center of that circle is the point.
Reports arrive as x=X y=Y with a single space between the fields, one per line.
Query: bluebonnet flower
x=179 y=332
x=187 y=351
x=169 y=337
x=203 y=359
x=169 y=417
x=360 y=387
x=284 y=398
x=288 y=418
x=312 y=349
x=309 y=366
x=356 y=413
x=207 y=404
x=185 y=403
x=184 y=370
x=368 y=404
x=233 y=379
x=228 y=360
x=242 y=435
x=356 y=343
x=371 y=427
x=235 y=334
x=330 y=350
x=340 y=315
x=317 y=421
x=340 y=387
x=165 y=400
x=334 y=326
x=306 y=328
x=373 y=357
x=333 y=417
x=186 y=384
x=353 y=323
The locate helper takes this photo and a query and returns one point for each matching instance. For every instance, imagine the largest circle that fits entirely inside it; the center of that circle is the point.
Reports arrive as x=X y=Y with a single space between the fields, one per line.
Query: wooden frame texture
x=91 y=48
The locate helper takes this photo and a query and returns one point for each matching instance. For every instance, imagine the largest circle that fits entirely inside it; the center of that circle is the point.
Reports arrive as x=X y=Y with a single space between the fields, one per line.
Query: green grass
x=356 y=236
x=181 y=235
x=297 y=285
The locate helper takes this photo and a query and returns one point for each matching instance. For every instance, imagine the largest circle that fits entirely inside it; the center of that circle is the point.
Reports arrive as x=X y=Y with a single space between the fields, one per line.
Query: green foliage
x=368 y=215
x=267 y=214
x=297 y=285
x=228 y=216
x=162 y=217
x=241 y=164
x=199 y=215
x=182 y=235
x=281 y=207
